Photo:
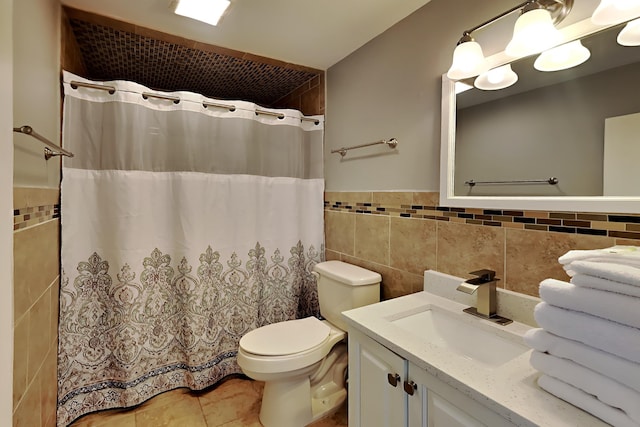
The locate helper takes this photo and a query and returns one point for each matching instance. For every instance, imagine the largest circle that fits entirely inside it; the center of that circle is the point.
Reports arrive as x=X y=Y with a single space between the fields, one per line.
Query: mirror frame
x=611 y=204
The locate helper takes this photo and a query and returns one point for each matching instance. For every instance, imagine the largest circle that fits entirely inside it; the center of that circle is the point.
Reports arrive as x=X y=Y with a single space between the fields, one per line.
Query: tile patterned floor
x=232 y=403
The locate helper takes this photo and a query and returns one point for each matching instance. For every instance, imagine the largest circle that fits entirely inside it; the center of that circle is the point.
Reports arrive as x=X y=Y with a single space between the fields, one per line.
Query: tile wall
x=308 y=97
x=36 y=278
x=401 y=234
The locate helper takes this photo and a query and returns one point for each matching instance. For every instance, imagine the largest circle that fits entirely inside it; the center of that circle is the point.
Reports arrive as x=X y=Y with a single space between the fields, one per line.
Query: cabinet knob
x=410 y=387
x=393 y=379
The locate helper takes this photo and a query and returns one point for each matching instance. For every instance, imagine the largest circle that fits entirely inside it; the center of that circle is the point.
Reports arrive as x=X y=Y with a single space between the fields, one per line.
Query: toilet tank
x=343 y=286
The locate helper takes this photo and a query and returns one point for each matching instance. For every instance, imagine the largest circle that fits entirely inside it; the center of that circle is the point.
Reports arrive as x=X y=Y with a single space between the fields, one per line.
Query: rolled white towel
x=606 y=270
x=605 y=285
x=617 y=368
x=586 y=401
x=629 y=255
x=617 y=307
x=608 y=336
x=604 y=388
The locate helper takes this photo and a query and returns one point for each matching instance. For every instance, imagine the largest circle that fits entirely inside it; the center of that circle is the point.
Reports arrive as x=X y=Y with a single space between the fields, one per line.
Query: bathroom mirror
x=577 y=128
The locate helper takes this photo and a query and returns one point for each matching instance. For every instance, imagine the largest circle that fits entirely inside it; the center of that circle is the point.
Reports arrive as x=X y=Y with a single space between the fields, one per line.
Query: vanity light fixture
x=208 y=11
x=630 y=34
x=534 y=32
x=496 y=78
x=562 y=57
x=611 y=12
x=468 y=59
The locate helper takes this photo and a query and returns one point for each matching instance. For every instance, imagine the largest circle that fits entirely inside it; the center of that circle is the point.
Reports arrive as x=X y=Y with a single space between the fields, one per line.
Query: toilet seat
x=285 y=338
x=272 y=364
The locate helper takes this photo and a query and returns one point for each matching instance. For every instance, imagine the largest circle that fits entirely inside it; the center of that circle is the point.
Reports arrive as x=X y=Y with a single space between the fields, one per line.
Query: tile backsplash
x=36 y=270
x=402 y=234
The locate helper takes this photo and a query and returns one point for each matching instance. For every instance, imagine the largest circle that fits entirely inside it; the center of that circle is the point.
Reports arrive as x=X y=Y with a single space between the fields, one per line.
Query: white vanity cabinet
x=376 y=375
x=413 y=398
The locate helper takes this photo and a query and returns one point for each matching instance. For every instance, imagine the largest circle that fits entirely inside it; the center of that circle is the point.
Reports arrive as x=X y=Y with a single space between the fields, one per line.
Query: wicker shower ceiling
x=116 y=54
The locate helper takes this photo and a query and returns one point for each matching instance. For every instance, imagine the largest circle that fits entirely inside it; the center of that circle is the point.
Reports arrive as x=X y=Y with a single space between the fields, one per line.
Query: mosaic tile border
x=27 y=217
x=597 y=224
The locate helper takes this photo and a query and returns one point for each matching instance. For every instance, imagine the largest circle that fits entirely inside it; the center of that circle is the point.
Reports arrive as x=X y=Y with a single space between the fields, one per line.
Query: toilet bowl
x=303 y=362
x=289 y=376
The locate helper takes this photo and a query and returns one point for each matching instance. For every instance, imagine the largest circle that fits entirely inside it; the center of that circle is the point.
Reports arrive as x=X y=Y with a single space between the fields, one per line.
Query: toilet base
x=296 y=402
x=286 y=403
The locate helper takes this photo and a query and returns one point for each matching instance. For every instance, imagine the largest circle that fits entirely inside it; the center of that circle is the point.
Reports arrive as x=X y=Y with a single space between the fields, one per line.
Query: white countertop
x=509 y=390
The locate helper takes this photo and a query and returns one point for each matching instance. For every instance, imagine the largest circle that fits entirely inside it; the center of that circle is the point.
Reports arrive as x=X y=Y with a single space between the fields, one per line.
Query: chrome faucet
x=485 y=285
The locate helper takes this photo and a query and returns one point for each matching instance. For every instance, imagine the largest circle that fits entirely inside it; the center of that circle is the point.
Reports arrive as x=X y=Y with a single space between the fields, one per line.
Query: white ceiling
x=313 y=33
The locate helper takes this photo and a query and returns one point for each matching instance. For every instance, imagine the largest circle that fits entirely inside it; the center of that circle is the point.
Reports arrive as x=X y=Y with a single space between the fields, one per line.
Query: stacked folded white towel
x=588 y=343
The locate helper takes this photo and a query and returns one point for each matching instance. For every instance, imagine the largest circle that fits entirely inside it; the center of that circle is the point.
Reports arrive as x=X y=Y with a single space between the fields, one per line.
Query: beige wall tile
x=426 y=198
x=397 y=283
x=25 y=197
x=463 y=248
x=536 y=214
x=36 y=252
x=20 y=359
x=39 y=331
x=332 y=196
x=340 y=231
x=49 y=387
x=372 y=238
x=27 y=414
x=351 y=197
x=627 y=242
x=330 y=255
x=413 y=244
x=605 y=225
x=395 y=198
x=53 y=311
x=532 y=256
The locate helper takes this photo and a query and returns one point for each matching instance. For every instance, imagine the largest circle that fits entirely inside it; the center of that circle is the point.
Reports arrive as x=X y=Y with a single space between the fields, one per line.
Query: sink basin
x=469 y=338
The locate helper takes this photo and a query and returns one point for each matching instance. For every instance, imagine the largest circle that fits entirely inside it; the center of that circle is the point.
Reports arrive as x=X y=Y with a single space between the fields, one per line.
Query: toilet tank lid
x=348 y=274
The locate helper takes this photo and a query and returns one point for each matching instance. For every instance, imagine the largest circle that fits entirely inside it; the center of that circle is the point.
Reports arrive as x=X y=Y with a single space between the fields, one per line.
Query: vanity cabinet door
x=376 y=374
x=437 y=404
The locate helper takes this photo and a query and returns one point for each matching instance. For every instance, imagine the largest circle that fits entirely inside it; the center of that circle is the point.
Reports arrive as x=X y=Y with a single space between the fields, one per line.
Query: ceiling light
x=562 y=57
x=209 y=11
x=615 y=11
x=630 y=34
x=533 y=32
x=497 y=78
x=468 y=59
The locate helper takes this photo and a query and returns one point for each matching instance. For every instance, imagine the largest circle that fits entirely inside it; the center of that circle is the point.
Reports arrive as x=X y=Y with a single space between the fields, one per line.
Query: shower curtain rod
x=48 y=153
x=74 y=85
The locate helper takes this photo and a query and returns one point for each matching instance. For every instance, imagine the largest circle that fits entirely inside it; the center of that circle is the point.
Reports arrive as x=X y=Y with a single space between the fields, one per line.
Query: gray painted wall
x=36 y=91
x=391 y=87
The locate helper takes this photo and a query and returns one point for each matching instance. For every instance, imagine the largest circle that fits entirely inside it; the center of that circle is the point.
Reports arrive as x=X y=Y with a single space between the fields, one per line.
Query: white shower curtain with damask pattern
x=183 y=228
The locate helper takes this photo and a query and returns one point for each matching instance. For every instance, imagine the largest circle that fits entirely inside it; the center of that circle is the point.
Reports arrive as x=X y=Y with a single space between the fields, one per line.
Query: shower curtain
x=184 y=226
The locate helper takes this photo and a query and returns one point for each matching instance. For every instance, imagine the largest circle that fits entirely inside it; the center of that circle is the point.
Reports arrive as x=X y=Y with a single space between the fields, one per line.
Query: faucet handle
x=485 y=275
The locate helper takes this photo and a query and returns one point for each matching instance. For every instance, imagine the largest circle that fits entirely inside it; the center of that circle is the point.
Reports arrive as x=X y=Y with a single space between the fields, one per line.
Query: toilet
x=303 y=362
